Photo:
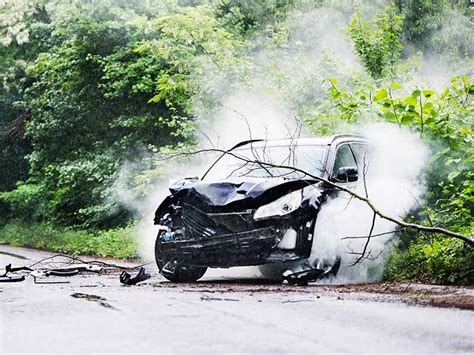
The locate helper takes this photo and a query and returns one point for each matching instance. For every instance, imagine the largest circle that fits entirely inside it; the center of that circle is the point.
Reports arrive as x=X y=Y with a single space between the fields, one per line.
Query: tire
x=175 y=272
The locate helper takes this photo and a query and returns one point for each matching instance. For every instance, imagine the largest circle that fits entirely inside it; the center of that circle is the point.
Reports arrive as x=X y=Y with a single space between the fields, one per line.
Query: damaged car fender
x=314 y=196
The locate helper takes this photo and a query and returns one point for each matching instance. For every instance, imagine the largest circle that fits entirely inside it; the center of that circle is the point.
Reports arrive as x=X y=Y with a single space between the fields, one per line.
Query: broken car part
x=302 y=278
x=9 y=268
x=127 y=279
x=49 y=266
x=66 y=271
x=46 y=273
x=13 y=278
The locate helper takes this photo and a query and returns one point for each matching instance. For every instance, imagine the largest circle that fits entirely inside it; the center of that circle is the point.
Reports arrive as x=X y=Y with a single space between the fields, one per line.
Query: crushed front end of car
x=237 y=222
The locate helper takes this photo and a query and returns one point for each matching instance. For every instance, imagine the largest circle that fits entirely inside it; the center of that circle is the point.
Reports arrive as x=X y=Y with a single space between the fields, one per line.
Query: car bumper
x=254 y=247
x=245 y=248
x=233 y=238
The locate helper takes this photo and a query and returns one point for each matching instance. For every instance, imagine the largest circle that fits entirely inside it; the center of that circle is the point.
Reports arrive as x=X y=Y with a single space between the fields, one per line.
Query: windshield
x=247 y=162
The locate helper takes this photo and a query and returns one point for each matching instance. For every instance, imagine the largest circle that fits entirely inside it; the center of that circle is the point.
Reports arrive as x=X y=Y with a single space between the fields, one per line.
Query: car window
x=344 y=158
x=363 y=155
x=244 y=162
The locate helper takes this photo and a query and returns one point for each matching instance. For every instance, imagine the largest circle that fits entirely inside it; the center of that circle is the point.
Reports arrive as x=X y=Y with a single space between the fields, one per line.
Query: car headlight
x=280 y=207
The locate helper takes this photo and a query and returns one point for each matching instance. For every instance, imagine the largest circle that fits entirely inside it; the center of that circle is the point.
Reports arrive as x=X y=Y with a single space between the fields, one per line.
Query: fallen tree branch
x=414 y=226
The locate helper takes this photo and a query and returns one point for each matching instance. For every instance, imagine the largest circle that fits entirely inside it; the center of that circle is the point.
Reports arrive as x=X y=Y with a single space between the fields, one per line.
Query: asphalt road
x=226 y=312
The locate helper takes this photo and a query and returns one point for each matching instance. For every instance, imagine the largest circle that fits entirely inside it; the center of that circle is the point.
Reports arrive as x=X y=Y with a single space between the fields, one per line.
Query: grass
x=116 y=243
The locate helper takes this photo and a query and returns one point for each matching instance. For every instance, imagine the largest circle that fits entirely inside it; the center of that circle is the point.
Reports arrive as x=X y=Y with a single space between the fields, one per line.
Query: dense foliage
x=94 y=91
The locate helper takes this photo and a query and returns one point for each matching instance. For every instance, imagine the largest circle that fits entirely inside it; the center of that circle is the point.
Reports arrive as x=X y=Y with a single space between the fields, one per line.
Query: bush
x=28 y=200
x=436 y=260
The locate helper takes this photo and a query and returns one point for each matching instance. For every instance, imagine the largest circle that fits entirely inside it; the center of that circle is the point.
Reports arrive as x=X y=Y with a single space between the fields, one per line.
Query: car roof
x=327 y=140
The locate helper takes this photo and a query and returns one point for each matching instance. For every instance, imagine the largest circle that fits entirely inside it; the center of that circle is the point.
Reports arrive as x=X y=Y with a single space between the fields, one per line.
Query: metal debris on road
x=302 y=278
x=8 y=277
x=127 y=279
x=63 y=266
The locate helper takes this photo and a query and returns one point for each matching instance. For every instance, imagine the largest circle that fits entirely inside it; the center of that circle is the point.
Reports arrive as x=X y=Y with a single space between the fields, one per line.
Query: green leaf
x=380 y=95
x=410 y=100
x=452 y=175
x=428 y=93
x=428 y=106
x=335 y=94
x=429 y=121
x=390 y=116
x=407 y=119
x=416 y=93
x=395 y=86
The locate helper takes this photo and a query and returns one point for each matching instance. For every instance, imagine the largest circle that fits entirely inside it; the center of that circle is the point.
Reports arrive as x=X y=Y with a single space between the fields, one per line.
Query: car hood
x=237 y=193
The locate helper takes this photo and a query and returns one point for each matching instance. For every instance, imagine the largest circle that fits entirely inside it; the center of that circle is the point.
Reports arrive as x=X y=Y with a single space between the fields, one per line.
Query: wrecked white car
x=251 y=207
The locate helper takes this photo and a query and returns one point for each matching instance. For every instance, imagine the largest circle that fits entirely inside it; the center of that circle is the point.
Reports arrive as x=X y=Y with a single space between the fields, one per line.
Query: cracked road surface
x=222 y=313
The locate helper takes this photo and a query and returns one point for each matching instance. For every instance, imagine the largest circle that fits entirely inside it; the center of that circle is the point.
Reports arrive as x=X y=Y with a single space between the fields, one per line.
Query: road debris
x=127 y=279
x=66 y=271
x=302 y=278
x=61 y=265
x=8 y=277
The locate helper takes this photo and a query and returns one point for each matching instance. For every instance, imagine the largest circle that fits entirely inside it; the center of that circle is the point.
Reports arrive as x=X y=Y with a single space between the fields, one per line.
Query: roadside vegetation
x=90 y=87
x=117 y=242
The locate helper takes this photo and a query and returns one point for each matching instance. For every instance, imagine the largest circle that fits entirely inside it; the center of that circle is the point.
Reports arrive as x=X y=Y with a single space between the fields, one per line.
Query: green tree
x=377 y=42
x=422 y=18
x=102 y=93
x=247 y=17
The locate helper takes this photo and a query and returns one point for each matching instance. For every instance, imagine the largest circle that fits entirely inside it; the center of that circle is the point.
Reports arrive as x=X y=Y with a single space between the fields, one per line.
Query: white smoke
x=144 y=204
x=251 y=116
x=393 y=185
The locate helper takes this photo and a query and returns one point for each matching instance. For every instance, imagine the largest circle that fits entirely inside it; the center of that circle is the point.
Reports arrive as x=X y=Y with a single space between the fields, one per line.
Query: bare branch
x=366 y=245
x=374 y=235
x=204 y=49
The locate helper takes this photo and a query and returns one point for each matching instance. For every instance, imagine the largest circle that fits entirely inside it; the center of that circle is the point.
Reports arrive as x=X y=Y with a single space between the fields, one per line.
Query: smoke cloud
x=393 y=185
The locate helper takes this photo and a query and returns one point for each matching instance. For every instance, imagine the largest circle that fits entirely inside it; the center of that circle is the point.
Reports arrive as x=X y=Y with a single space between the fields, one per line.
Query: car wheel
x=174 y=271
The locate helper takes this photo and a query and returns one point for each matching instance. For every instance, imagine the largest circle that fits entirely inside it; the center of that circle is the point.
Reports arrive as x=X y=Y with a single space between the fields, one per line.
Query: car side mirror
x=347 y=174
